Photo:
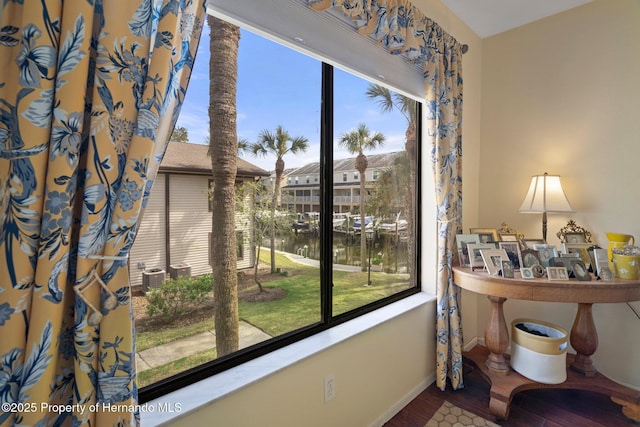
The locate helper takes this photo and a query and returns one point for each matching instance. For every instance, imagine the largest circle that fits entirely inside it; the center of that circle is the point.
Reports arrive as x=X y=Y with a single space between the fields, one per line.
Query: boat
x=340 y=220
x=368 y=224
x=392 y=227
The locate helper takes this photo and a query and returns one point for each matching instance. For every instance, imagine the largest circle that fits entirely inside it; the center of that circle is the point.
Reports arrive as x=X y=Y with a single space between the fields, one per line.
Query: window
x=368 y=251
x=376 y=175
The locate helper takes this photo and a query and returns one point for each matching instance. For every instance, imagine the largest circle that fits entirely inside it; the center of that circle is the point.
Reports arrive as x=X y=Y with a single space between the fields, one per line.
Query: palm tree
x=277 y=144
x=223 y=146
x=356 y=142
x=387 y=101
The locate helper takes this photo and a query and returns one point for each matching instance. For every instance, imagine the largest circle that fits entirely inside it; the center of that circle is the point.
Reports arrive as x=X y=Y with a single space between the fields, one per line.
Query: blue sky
x=278 y=86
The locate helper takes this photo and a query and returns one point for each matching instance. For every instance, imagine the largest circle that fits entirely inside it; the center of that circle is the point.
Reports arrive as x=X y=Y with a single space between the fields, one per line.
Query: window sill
x=192 y=398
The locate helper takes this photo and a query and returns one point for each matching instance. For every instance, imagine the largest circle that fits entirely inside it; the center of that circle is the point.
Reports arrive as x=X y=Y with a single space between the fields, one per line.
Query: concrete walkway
x=167 y=353
x=249 y=334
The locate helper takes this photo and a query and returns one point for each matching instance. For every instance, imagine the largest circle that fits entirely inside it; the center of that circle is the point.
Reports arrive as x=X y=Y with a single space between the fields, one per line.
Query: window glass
x=278 y=226
x=370 y=261
x=278 y=106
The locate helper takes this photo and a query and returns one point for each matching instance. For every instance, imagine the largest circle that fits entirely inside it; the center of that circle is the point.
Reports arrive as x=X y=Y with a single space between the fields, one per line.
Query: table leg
x=584 y=339
x=496 y=336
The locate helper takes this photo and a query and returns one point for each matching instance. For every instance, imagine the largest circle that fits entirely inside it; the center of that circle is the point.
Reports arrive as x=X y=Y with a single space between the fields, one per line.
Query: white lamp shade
x=545 y=195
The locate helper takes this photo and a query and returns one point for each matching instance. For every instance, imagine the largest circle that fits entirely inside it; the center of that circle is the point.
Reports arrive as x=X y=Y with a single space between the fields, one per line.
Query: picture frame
x=578 y=248
x=538 y=271
x=493 y=260
x=563 y=261
x=529 y=243
x=475 y=257
x=557 y=273
x=575 y=238
x=530 y=257
x=512 y=248
x=580 y=271
x=573 y=233
x=592 y=255
x=601 y=259
x=545 y=252
x=462 y=240
x=506 y=233
x=526 y=273
x=508 y=237
x=487 y=235
x=507 y=269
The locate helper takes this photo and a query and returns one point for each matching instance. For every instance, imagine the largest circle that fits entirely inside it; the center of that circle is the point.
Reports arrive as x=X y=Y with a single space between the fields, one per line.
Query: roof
x=373 y=161
x=184 y=157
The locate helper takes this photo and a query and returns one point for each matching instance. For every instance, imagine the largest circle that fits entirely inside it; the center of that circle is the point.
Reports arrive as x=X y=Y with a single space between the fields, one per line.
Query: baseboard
x=475 y=341
x=397 y=407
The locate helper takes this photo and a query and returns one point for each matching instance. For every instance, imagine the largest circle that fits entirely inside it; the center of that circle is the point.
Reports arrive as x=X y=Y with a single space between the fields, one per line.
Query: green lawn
x=300 y=308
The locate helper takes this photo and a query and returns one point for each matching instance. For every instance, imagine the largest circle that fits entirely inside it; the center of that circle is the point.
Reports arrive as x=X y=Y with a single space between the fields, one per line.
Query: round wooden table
x=584 y=337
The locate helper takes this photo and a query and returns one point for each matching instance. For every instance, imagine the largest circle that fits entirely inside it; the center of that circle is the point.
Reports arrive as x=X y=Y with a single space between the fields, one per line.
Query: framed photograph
x=580 y=271
x=462 y=240
x=529 y=243
x=506 y=233
x=601 y=259
x=475 y=257
x=575 y=238
x=508 y=237
x=557 y=273
x=573 y=233
x=486 y=234
x=538 y=271
x=512 y=248
x=530 y=257
x=493 y=260
x=578 y=248
x=563 y=261
x=592 y=255
x=545 y=253
x=507 y=269
x=526 y=273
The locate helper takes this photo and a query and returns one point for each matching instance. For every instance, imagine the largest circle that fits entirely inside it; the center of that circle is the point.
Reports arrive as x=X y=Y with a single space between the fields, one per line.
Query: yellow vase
x=617 y=240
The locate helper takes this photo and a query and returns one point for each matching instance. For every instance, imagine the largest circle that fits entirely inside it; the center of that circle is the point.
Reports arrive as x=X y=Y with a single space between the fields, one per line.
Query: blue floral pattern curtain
x=89 y=93
x=404 y=30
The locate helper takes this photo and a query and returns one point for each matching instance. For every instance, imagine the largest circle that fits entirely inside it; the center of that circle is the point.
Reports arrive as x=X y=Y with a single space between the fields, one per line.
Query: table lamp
x=545 y=195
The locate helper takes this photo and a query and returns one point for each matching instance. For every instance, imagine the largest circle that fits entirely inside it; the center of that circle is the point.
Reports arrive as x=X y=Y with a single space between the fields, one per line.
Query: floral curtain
x=403 y=30
x=89 y=93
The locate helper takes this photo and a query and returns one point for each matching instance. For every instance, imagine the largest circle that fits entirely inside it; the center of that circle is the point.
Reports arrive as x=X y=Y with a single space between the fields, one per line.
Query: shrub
x=176 y=296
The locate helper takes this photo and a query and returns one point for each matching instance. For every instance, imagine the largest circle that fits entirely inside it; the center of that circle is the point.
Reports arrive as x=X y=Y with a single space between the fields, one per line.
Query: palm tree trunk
x=223 y=140
x=272 y=236
x=363 y=236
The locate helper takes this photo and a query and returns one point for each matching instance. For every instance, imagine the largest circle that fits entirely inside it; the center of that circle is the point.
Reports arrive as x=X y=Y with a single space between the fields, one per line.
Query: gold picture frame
x=573 y=233
x=487 y=235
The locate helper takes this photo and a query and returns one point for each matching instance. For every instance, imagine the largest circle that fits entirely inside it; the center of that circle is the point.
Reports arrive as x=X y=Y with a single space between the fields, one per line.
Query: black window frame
x=327 y=321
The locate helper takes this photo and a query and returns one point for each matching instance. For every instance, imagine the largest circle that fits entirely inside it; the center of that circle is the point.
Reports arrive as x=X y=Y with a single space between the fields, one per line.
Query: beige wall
x=562 y=95
x=365 y=385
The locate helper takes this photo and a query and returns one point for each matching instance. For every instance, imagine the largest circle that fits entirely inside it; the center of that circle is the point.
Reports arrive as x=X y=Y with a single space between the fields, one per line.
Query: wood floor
x=533 y=408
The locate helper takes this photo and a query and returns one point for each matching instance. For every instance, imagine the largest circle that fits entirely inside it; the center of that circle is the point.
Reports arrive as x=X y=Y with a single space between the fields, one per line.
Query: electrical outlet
x=329 y=387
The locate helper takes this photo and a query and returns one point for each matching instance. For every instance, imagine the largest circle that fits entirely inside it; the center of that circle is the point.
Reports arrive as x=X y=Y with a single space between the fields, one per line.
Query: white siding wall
x=190 y=222
x=149 y=247
x=243 y=224
x=190 y=225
